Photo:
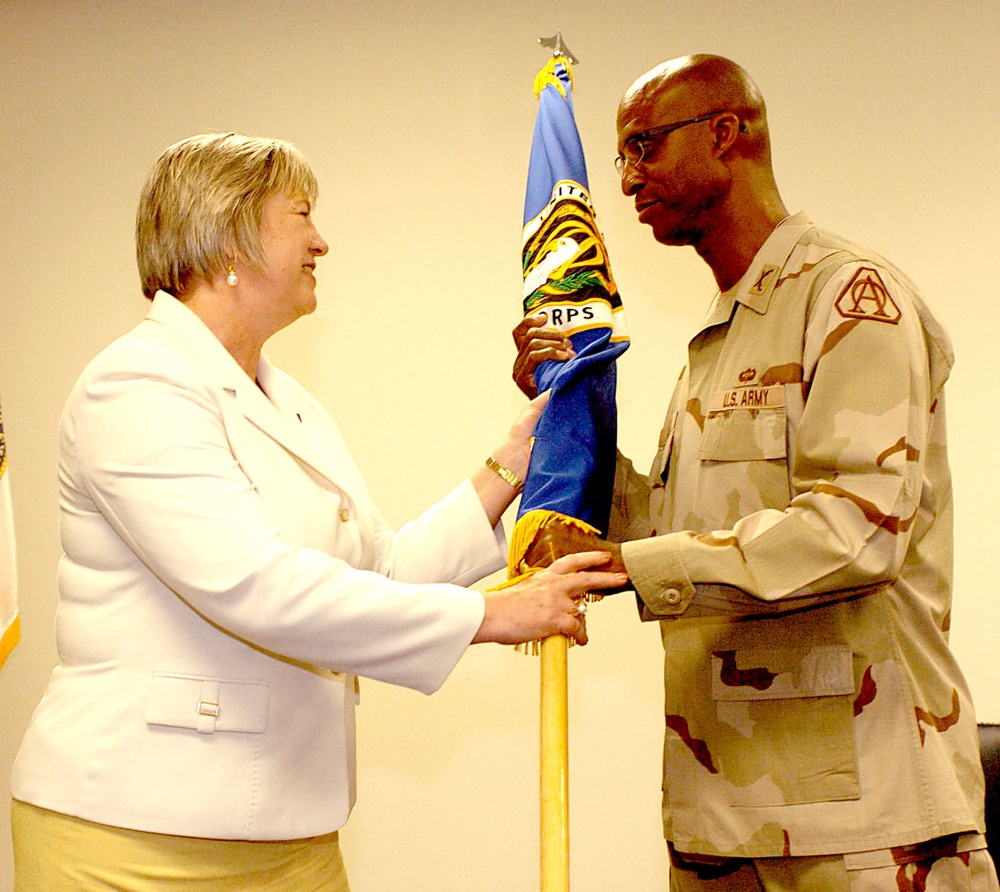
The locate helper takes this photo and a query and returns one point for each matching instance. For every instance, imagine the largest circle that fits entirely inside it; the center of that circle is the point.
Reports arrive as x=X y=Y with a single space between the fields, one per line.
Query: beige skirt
x=55 y=852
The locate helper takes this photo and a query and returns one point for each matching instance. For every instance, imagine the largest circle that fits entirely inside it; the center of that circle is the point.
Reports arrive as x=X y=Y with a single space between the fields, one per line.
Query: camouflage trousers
x=965 y=872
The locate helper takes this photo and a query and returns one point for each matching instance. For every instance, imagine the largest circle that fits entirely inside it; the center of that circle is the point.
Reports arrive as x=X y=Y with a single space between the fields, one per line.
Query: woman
x=226 y=576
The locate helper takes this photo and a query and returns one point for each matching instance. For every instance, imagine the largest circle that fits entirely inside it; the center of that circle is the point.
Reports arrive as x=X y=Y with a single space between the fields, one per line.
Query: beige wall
x=417 y=118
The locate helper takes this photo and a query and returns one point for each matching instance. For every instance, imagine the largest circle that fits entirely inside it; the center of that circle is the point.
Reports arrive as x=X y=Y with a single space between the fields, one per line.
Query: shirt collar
x=754 y=290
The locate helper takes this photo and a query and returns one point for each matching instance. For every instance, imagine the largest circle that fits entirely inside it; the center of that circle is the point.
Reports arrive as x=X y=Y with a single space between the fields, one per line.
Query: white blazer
x=225 y=577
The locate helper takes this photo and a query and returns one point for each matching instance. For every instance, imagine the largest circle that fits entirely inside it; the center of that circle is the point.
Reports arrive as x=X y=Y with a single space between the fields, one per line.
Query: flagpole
x=554 y=740
x=554 y=731
x=573 y=433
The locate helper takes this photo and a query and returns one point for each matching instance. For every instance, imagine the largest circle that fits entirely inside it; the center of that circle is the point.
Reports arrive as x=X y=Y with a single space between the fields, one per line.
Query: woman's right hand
x=547 y=603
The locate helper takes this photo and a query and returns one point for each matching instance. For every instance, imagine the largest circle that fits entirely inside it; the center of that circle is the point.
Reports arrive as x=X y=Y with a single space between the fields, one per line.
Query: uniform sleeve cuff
x=657 y=574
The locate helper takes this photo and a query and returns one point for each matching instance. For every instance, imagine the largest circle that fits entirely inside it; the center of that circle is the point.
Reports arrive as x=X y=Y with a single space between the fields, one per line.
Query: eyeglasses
x=638 y=144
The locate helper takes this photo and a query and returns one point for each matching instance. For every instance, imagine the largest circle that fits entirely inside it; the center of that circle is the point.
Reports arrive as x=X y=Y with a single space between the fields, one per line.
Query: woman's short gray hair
x=201 y=206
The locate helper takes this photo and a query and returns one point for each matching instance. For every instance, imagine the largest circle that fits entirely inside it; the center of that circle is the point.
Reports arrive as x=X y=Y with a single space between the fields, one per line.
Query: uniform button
x=345 y=515
x=673 y=597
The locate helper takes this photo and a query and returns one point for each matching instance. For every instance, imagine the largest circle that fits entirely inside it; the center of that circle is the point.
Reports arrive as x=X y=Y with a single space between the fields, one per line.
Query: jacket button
x=673 y=597
x=345 y=515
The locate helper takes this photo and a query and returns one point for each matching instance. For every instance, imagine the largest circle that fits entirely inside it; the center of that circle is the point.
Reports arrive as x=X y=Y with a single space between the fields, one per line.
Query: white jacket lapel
x=301 y=426
x=281 y=419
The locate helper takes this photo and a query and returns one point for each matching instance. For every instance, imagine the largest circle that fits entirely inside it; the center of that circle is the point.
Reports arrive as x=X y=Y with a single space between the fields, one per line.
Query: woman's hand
x=547 y=603
x=496 y=491
x=515 y=451
x=535 y=345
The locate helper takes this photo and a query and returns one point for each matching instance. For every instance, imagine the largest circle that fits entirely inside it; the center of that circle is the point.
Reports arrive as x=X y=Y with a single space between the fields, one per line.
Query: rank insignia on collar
x=866 y=297
x=764 y=280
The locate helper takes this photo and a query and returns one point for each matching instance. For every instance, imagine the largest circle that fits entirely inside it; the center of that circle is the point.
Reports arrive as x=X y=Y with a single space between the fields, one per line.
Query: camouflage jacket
x=794 y=538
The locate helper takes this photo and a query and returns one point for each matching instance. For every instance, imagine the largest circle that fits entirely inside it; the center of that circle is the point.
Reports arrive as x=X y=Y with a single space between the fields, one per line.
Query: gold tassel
x=547 y=77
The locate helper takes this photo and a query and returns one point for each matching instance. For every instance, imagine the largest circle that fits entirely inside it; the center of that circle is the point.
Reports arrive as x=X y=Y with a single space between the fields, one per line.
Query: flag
x=570 y=477
x=568 y=277
x=10 y=624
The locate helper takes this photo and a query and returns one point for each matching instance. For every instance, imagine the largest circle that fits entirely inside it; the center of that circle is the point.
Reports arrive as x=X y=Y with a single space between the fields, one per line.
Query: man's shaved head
x=695 y=85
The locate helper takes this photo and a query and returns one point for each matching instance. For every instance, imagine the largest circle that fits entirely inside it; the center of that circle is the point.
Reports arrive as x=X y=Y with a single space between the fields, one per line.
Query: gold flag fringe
x=547 y=77
x=527 y=529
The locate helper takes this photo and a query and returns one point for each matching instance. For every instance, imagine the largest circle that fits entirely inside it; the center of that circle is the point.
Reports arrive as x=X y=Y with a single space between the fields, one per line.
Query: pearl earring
x=232 y=280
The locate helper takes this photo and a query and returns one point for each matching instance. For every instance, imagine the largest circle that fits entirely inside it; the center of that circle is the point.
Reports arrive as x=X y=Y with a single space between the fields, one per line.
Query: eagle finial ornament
x=555 y=43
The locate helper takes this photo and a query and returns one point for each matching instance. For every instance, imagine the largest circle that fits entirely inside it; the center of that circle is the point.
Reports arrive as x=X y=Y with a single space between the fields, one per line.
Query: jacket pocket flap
x=772 y=674
x=207 y=705
x=749 y=424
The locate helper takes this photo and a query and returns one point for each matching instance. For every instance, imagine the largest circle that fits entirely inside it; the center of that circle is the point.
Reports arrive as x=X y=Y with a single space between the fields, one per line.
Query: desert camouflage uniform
x=795 y=541
x=928 y=867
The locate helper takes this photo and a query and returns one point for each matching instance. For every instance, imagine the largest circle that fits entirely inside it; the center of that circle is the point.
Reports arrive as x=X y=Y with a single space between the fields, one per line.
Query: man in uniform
x=794 y=536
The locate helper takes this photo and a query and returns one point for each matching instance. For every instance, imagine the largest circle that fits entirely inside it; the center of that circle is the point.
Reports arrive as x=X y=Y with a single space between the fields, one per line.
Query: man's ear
x=728 y=129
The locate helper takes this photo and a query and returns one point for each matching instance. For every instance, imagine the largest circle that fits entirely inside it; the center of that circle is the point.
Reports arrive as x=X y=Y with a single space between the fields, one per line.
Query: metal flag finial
x=555 y=43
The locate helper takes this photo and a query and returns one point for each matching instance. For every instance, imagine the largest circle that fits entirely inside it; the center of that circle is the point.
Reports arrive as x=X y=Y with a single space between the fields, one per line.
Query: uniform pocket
x=746 y=424
x=207 y=705
x=789 y=714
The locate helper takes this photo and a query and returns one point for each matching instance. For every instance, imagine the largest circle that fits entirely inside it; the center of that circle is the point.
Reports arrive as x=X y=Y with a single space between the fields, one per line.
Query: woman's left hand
x=495 y=489
x=515 y=451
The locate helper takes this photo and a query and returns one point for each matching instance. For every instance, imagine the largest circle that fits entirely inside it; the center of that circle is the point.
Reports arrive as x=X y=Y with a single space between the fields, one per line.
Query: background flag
x=567 y=276
x=10 y=624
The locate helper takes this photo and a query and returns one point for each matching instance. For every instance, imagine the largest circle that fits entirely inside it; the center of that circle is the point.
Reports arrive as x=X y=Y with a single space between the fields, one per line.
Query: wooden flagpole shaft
x=554 y=765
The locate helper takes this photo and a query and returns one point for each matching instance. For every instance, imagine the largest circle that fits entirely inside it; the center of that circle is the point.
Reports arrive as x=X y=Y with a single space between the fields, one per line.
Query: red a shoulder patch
x=866 y=297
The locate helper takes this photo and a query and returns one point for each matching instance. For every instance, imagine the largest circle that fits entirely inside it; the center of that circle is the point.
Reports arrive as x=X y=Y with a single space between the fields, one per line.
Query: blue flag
x=567 y=276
